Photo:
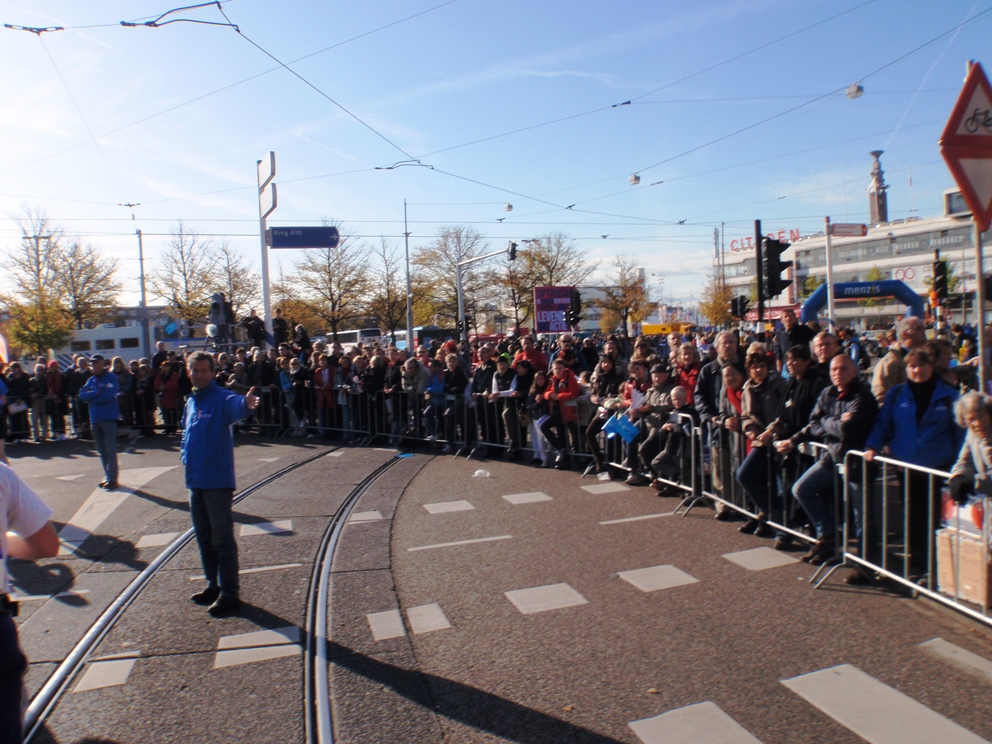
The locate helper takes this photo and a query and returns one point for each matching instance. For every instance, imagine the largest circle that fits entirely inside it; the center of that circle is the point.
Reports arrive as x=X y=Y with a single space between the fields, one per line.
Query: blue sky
x=769 y=134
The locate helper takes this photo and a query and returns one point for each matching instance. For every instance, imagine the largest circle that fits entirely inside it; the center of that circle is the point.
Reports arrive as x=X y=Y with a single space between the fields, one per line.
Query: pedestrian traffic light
x=511 y=250
x=940 y=281
x=774 y=266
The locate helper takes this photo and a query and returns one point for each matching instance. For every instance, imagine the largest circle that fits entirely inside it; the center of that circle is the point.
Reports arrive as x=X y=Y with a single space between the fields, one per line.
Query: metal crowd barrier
x=888 y=537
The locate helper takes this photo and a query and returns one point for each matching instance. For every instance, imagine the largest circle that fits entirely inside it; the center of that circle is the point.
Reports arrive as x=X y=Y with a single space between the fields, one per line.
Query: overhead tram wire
x=218 y=90
x=792 y=109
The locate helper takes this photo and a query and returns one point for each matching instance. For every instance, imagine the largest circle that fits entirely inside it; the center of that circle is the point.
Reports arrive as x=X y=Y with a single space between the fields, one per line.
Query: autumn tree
x=387 y=300
x=437 y=267
x=241 y=285
x=714 y=303
x=335 y=282
x=186 y=277
x=516 y=291
x=38 y=321
x=86 y=284
x=625 y=298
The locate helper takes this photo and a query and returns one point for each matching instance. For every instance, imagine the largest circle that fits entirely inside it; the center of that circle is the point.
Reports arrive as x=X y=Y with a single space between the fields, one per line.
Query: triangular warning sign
x=979 y=173
x=977 y=115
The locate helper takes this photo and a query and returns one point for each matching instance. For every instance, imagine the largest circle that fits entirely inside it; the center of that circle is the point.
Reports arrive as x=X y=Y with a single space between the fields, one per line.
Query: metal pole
x=463 y=333
x=145 y=340
x=409 y=292
x=828 y=249
x=980 y=310
x=266 y=295
x=760 y=272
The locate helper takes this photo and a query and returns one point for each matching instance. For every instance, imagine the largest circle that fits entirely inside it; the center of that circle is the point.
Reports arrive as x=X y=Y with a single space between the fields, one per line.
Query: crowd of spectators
x=555 y=402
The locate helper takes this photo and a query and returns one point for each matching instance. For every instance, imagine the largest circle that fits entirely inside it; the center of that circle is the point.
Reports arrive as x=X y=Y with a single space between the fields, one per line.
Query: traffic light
x=511 y=250
x=574 y=313
x=940 y=281
x=739 y=306
x=774 y=266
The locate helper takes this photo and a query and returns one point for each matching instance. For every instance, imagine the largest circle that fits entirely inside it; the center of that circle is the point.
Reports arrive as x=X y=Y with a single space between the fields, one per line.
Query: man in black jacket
x=792 y=333
x=707 y=399
x=842 y=419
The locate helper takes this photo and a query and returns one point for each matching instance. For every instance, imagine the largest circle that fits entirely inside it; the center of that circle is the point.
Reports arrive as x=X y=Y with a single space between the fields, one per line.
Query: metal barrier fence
x=886 y=513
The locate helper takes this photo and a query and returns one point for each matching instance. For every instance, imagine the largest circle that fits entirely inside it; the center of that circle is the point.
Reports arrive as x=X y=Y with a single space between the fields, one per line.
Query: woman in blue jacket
x=917 y=424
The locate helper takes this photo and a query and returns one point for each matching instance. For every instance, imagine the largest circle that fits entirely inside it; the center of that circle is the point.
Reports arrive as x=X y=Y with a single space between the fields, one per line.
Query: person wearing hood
x=208 y=456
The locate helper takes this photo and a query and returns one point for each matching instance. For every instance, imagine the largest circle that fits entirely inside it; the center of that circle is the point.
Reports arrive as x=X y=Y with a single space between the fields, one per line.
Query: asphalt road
x=459 y=615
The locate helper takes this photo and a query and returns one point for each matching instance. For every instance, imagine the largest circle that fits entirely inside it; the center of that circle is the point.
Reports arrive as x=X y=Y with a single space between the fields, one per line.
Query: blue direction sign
x=303 y=237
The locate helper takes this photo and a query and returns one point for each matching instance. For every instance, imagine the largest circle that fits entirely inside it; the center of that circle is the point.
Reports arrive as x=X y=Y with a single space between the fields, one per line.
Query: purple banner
x=550 y=304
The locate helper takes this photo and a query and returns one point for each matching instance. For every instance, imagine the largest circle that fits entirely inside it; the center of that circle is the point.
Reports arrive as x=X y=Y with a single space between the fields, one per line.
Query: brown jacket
x=889 y=372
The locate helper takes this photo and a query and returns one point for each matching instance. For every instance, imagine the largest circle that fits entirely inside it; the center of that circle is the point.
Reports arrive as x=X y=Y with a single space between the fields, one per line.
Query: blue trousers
x=213 y=523
x=12 y=667
x=105 y=439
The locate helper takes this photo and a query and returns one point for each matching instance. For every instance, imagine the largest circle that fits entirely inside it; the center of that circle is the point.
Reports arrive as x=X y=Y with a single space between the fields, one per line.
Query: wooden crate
x=975 y=578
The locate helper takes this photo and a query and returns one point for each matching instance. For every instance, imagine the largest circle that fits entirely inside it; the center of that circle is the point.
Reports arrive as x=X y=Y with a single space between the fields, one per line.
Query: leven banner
x=550 y=304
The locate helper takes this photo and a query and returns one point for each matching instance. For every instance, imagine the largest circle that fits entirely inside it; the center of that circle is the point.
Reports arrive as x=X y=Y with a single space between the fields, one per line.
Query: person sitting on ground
x=842 y=419
x=763 y=396
x=673 y=463
x=562 y=389
x=659 y=403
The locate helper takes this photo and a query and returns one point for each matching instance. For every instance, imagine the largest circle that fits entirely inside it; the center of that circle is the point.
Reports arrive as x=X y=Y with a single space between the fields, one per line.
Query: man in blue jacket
x=100 y=394
x=208 y=454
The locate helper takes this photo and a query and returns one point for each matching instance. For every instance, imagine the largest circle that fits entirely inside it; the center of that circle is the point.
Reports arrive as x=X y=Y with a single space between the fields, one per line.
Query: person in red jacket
x=563 y=388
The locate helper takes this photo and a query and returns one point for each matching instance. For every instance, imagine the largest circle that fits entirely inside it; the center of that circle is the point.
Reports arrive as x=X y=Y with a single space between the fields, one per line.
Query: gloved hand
x=961 y=487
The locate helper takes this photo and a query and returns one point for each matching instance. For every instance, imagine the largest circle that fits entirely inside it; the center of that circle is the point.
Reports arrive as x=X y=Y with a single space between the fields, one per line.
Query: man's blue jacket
x=208 y=436
x=101 y=395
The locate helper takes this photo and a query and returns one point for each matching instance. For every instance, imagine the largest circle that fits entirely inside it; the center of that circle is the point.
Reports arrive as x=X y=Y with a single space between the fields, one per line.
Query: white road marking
x=273 y=637
x=959 y=657
x=101 y=674
x=426 y=618
x=267 y=528
x=758 y=559
x=544 y=598
x=336 y=453
x=384 y=449
x=260 y=569
x=101 y=504
x=366 y=516
x=606 y=488
x=268 y=459
x=386 y=625
x=637 y=519
x=702 y=723
x=237 y=656
x=443 y=507
x=874 y=711
x=459 y=542
x=69 y=477
x=527 y=498
x=41 y=597
x=153 y=541
x=657 y=577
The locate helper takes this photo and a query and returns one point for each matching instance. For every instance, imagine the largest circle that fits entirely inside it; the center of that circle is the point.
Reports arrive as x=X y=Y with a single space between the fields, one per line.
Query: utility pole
x=266 y=205
x=409 y=292
x=145 y=340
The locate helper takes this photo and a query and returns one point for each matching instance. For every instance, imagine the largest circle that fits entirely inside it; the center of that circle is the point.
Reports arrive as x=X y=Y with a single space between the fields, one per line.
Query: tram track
x=54 y=689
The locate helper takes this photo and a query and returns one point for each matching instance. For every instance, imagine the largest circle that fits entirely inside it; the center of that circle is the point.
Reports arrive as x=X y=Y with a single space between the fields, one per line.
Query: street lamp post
x=463 y=333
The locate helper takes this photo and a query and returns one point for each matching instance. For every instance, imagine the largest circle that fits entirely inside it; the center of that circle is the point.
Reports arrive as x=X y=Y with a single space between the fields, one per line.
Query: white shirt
x=21 y=511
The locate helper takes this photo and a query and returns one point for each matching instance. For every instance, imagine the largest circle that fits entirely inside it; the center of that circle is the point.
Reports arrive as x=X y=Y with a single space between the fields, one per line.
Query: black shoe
x=764 y=530
x=724 y=516
x=561 y=463
x=820 y=551
x=223 y=606
x=111 y=485
x=782 y=543
x=749 y=527
x=856 y=578
x=102 y=484
x=207 y=596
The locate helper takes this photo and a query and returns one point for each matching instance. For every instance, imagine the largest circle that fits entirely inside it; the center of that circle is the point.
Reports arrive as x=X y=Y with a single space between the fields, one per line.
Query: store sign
x=791 y=235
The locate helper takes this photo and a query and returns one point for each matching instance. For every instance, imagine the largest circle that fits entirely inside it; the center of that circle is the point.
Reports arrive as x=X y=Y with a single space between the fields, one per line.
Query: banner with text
x=550 y=304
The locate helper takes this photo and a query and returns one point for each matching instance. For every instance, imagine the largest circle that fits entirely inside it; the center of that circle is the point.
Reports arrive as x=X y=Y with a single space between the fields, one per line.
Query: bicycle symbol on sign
x=979 y=120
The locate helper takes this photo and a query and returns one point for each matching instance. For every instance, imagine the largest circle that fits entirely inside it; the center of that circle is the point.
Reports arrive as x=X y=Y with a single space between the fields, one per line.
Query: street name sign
x=966 y=145
x=303 y=237
x=848 y=230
